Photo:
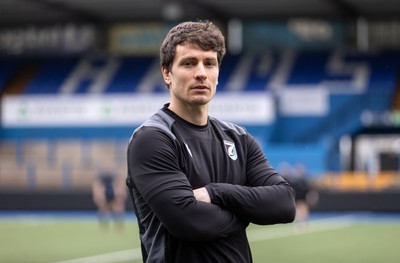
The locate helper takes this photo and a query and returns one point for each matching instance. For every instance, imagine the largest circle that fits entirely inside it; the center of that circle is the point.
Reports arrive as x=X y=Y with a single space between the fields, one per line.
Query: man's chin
x=200 y=101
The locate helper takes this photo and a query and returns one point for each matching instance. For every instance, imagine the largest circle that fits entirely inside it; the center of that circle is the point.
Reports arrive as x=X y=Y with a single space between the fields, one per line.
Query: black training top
x=168 y=157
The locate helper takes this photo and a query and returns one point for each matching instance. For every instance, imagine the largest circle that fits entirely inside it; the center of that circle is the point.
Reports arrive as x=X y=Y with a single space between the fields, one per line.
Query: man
x=109 y=195
x=197 y=182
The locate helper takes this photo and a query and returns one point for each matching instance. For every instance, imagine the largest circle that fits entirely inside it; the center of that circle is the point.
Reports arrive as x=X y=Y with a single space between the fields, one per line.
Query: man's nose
x=200 y=72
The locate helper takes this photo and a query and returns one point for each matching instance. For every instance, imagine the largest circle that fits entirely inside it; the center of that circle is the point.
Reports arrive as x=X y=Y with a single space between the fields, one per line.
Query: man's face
x=193 y=77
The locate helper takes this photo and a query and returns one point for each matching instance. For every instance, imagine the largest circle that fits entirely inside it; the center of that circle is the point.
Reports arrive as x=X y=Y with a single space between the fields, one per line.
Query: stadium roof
x=17 y=12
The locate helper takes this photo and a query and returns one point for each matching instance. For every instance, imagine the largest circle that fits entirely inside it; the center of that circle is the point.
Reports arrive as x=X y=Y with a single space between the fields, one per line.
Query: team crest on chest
x=230 y=149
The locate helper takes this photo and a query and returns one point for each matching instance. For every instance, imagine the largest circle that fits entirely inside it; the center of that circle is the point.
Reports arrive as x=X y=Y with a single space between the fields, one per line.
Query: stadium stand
x=51 y=74
x=7 y=68
x=354 y=82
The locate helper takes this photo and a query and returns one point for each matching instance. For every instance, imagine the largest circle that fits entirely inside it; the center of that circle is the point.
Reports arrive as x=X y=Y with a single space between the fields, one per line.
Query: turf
x=362 y=243
x=330 y=240
x=55 y=241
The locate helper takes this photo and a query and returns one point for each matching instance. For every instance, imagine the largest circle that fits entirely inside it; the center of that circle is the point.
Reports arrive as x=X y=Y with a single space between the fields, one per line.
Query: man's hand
x=201 y=194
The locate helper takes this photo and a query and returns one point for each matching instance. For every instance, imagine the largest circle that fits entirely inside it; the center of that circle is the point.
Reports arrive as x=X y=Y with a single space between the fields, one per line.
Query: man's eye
x=188 y=64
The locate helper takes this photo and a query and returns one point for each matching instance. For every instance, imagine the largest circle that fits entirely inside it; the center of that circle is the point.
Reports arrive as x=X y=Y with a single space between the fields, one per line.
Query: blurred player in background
x=305 y=196
x=302 y=188
x=196 y=181
x=109 y=195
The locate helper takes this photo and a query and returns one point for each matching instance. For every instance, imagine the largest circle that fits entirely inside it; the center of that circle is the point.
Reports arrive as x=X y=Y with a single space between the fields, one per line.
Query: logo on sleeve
x=230 y=149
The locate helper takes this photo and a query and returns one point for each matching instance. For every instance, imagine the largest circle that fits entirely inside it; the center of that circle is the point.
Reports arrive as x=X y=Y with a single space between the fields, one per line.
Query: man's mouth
x=200 y=87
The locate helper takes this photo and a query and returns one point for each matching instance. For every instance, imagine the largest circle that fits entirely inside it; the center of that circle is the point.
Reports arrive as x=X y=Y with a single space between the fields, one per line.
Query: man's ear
x=166 y=76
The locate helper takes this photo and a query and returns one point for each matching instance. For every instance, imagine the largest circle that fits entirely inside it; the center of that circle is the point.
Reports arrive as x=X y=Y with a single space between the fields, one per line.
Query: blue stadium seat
x=8 y=66
x=52 y=73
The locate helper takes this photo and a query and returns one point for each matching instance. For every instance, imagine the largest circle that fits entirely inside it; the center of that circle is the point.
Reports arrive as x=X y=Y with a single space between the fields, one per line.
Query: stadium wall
x=382 y=201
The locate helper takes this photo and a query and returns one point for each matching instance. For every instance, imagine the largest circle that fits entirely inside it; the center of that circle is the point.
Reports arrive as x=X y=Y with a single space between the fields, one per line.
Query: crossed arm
x=215 y=211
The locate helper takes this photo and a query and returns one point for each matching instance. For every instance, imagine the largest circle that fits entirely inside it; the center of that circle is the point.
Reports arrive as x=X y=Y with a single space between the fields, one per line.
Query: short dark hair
x=204 y=34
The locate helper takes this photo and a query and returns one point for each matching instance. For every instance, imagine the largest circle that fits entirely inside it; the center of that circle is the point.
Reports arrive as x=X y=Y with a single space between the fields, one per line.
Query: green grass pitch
x=74 y=240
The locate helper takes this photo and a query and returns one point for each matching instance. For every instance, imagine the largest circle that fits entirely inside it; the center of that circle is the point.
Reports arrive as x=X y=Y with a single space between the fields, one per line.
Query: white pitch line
x=314 y=226
x=114 y=257
x=266 y=234
x=253 y=236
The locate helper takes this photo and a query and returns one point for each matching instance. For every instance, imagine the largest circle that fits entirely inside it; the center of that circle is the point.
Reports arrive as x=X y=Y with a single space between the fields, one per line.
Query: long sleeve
x=265 y=199
x=155 y=169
